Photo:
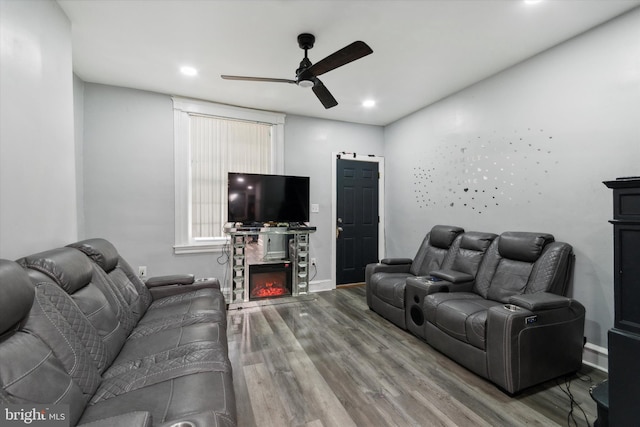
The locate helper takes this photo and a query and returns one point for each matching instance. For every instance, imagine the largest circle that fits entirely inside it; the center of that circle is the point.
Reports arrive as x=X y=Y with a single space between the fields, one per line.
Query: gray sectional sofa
x=494 y=304
x=78 y=327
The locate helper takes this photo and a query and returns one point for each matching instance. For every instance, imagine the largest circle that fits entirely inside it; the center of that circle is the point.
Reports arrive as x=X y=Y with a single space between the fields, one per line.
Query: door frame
x=334 y=204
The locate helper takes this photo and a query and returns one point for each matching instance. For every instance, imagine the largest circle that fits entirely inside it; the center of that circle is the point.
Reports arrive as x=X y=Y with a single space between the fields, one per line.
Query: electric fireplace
x=269 y=280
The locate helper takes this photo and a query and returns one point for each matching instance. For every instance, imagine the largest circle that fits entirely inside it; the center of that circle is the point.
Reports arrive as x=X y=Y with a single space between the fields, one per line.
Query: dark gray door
x=357 y=219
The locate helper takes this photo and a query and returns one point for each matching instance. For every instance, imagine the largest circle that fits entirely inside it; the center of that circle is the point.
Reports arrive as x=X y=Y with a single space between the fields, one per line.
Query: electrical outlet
x=142 y=271
x=313 y=261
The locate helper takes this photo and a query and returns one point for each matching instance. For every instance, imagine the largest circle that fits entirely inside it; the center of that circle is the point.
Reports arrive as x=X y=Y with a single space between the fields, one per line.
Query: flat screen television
x=258 y=198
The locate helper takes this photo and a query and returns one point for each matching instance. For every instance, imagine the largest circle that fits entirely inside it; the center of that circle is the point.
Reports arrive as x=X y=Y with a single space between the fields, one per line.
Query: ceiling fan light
x=305 y=83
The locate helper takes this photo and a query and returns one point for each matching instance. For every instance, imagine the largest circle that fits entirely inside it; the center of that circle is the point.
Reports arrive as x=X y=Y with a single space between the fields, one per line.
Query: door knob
x=338 y=231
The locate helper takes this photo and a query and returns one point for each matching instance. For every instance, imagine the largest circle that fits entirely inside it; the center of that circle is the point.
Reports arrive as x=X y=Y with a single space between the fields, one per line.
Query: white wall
x=309 y=144
x=37 y=159
x=528 y=150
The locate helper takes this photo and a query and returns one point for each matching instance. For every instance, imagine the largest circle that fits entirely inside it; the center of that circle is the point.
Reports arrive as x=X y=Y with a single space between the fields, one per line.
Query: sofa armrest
x=128 y=419
x=168 y=290
x=379 y=267
x=540 y=301
x=526 y=347
x=425 y=285
x=452 y=276
x=176 y=279
x=396 y=261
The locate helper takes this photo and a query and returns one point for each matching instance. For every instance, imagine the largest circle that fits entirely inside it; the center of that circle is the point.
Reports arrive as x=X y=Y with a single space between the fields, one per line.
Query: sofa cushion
x=101 y=251
x=389 y=287
x=473 y=245
x=510 y=279
x=206 y=398
x=431 y=259
x=185 y=308
x=16 y=295
x=523 y=246
x=442 y=236
x=130 y=287
x=68 y=269
x=58 y=321
x=553 y=270
x=436 y=250
x=476 y=240
x=166 y=340
x=189 y=359
x=462 y=315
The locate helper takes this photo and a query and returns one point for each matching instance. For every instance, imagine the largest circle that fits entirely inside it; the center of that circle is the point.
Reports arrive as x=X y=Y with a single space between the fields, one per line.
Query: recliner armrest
x=396 y=261
x=176 y=279
x=169 y=290
x=452 y=276
x=525 y=347
x=425 y=286
x=128 y=419
x=540 y=301
x=379 y=267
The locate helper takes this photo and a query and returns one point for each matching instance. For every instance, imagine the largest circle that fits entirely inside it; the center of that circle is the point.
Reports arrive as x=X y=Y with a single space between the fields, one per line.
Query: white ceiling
x=423 y=50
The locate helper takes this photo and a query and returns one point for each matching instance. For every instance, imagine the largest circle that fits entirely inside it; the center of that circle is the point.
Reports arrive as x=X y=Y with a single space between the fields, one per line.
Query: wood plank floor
x=326 y=360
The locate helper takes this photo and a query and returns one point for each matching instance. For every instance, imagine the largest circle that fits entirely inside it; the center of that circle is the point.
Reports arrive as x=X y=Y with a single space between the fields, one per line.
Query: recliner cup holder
x=183 y=424
x=511 y=307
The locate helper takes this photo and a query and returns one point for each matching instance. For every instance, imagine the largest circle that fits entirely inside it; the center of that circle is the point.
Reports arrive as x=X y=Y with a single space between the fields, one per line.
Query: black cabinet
x=624 y=338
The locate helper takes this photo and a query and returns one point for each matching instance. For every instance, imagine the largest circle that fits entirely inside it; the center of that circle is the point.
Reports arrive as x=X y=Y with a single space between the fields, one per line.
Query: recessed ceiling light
x=368 y=103
x=188 y=71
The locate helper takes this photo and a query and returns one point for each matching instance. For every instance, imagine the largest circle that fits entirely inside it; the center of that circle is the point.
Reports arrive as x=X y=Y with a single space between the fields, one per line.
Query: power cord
x=315 y=272
x=225 y=254
x=572 y=401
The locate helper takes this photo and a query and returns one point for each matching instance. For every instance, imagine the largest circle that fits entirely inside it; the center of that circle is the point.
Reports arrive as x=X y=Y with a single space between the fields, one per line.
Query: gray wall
x=129 y=177
x=78 y=116
x=309 y=144
x=528 y=149
x=37 y=159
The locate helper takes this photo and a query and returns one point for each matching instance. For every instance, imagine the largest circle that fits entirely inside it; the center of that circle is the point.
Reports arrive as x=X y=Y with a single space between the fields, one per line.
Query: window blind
x=219 y=146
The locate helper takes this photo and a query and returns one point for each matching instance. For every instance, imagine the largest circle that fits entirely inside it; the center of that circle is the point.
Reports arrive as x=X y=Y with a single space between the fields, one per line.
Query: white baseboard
x=321 y=285
x=596 y=357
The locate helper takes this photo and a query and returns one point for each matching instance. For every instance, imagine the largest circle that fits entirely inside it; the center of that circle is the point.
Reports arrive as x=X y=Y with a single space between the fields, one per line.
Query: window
x=211 y=140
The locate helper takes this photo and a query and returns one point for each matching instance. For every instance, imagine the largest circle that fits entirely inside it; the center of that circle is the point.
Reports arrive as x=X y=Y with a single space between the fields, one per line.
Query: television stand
x=244 y=253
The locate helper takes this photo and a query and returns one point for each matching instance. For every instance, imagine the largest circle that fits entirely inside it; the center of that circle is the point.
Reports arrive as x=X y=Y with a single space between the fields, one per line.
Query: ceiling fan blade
x=323 y=94
x=355 y=50
x=257 y=79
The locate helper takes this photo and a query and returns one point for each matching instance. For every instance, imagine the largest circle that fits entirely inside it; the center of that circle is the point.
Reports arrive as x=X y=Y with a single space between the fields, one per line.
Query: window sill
x=201 y=247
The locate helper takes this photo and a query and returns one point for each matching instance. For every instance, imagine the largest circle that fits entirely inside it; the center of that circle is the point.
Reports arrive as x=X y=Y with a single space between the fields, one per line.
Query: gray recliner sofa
x=385 y=281
x=102 y=343
x=512 y=322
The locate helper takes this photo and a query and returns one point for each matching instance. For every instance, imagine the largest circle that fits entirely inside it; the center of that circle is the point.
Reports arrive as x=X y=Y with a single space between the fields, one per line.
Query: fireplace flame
x=268 y=289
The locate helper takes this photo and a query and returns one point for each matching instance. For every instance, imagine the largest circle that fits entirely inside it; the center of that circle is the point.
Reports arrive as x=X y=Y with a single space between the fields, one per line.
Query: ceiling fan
x=307 y=73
